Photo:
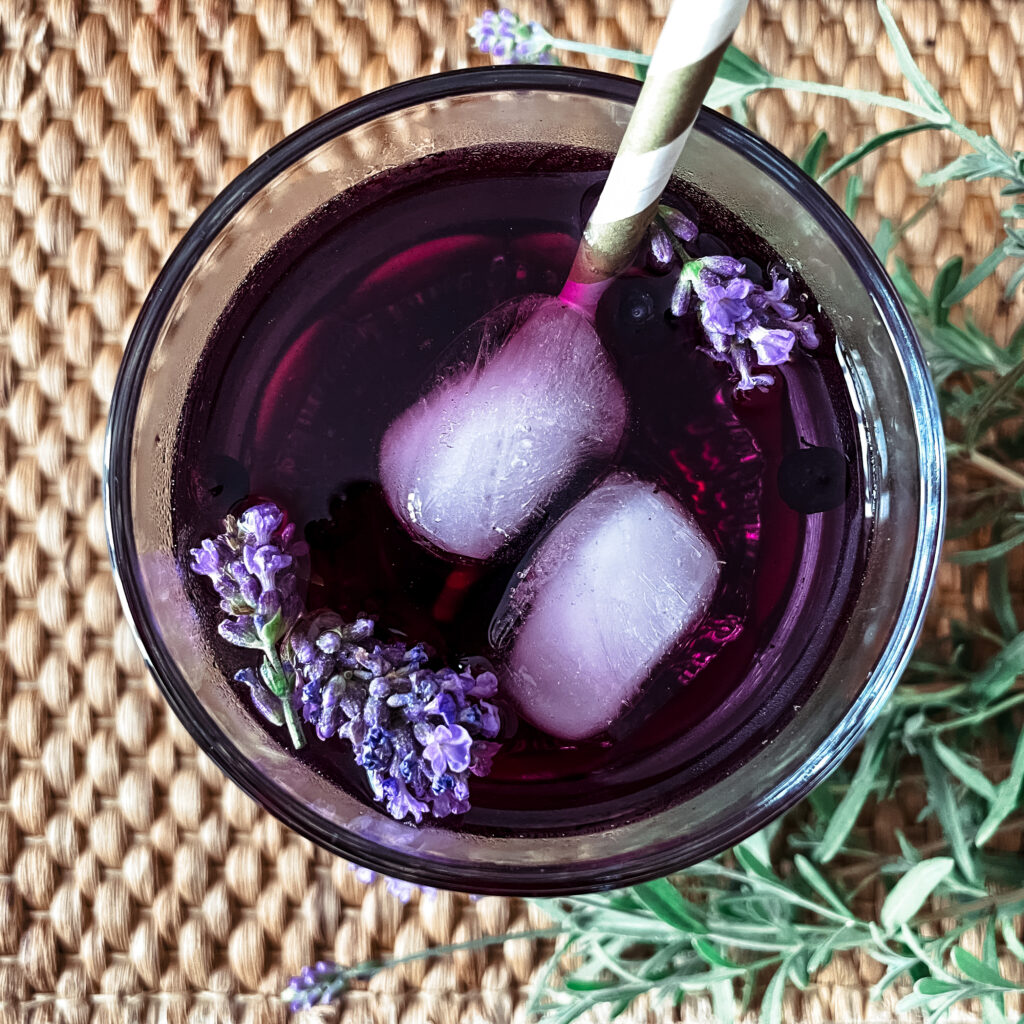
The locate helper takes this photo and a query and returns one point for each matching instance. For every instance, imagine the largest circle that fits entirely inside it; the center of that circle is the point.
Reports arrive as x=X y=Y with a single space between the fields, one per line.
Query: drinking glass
x=681 y=818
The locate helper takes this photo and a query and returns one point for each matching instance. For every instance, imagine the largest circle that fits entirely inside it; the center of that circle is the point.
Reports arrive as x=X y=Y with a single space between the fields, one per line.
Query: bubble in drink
x=621 y=578
x=485 y=451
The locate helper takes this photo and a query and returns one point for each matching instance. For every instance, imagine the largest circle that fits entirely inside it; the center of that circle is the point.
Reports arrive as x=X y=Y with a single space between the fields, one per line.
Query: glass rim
x=492 y=879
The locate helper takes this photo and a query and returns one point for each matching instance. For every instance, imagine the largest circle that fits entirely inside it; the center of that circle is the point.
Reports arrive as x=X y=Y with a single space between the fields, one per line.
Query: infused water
x=353 y=316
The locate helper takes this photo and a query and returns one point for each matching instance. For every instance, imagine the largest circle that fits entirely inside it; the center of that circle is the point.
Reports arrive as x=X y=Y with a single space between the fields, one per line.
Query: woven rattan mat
x=135 y=883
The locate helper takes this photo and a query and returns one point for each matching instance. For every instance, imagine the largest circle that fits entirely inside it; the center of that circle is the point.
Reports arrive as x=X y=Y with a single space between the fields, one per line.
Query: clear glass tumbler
x=902 y=475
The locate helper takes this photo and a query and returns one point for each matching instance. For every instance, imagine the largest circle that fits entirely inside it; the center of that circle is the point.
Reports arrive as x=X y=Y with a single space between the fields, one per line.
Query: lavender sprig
x=419 y=734
x=510 y=40
x=322 y=983
x=747 y=324
x=251 y=565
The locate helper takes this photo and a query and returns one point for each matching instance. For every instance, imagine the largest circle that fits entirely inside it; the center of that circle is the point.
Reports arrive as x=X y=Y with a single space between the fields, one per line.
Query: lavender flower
x=746 y=324
x=315 y=986
x=252 y=568
x=448 y=748
x=418 y=734
x=510 y=40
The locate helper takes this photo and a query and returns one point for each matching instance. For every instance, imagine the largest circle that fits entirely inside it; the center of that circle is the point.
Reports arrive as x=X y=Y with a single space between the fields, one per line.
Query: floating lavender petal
x=745 y=323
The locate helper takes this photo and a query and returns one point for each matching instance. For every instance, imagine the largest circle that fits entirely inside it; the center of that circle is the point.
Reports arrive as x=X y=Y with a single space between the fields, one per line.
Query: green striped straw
x=693 y=39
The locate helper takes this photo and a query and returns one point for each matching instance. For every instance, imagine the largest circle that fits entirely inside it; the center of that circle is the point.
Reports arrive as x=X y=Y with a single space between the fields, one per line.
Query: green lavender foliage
x=771 y=913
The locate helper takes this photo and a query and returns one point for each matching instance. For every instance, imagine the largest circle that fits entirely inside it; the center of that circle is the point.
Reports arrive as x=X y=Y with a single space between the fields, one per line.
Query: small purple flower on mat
x=313 y=986
x=510 y=40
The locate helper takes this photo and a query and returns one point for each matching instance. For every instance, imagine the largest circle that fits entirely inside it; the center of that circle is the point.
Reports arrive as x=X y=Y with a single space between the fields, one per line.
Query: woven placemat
x=135 y=882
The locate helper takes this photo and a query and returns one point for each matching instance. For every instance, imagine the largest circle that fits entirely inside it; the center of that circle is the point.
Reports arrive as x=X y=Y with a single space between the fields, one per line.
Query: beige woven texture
x=135 y=883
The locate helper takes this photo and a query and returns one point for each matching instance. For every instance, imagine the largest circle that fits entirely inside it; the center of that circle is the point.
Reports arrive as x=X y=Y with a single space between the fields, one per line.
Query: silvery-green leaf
x=912 y=891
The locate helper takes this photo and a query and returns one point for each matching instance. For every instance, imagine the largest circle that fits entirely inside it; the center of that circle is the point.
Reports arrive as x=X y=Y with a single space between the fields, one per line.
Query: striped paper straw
x=694 y=38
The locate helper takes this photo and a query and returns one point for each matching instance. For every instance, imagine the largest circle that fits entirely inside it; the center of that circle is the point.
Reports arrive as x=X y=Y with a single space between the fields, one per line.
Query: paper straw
x=694 y=38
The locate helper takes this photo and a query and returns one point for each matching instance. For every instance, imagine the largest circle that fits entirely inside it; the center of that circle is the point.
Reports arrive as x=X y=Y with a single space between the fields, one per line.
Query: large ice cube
x=621 y=577
x=467 y=466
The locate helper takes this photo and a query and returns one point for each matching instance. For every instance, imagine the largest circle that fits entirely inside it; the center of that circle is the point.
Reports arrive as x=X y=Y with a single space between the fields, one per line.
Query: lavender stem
x=291 y=718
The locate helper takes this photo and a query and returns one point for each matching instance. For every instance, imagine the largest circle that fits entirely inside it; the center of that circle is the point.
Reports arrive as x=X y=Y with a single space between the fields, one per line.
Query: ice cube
x=487 y=449
x=622 y=577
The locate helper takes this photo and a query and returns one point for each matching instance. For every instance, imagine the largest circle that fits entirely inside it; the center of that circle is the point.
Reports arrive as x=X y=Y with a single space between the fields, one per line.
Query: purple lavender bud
x=749 y=381
x=361 y=629
x=481 y=757
x=311 y=694
x=263 y=700
x=353 y=730
x=250 y=591
x=406 y=768
x=257 y=524
x=425 y=685
x=376 y=750
x=375 y=712
x=661 y=249
x=269 y=604
x=400 y=802
x=265 y=563
x=484 y=685
x=303 y=650
x=490 y=719
x=772 y=346
x=680 y=301
x=373 y=662
x=449 y=747
x=380 y=688
x=352 y=700
x=445 y=707
x=804 y=330
x=240 y=632
x=329 y=643
x=330 y=710
x=680 y=225
x=725 y=266
x=209 y=558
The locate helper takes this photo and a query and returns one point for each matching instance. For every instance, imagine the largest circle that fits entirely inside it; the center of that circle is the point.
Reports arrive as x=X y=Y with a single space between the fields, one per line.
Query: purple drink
x=347 y=322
